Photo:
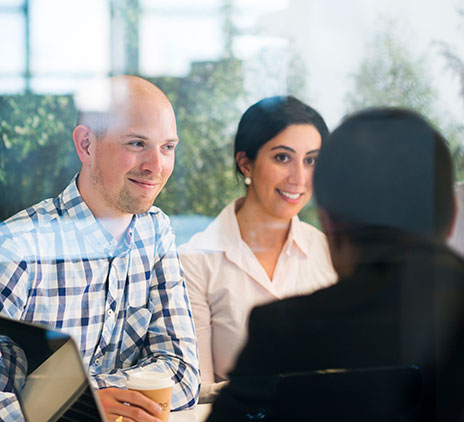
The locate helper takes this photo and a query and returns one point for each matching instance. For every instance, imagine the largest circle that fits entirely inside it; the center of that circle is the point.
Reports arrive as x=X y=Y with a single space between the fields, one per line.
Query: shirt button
x=97 y=362
x=110 y=313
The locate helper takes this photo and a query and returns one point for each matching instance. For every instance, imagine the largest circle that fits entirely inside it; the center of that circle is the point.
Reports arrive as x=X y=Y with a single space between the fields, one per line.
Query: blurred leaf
x=37 y=157
x=392 y=75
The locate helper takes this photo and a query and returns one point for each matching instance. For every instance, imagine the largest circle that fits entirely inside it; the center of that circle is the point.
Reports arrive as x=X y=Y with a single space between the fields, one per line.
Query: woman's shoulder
x=308 y=227
x=311 y=240
x=308 y=233
x=214 y=238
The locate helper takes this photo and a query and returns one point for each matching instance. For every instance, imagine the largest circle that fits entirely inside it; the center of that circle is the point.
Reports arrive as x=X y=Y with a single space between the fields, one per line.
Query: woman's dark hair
x=270 y=116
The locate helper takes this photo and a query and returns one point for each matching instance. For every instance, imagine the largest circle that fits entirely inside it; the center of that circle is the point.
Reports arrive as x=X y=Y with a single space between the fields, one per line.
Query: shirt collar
x=296 y=240
x=223 y=235
x=83 y=219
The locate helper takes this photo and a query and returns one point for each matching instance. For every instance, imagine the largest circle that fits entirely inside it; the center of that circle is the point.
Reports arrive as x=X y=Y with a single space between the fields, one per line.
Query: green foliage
x=455 y=133
x=310 y=215
x=207 y=111
x=207 y=106
x=297 y=77
x=37 y=156
x=390 y=75
x=127 y=13
x=454 y=62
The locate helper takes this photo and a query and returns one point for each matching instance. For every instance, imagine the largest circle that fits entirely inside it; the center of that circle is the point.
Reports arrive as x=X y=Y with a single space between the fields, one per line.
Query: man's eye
x=137 y=144
x=282 y=158
x=169 y=147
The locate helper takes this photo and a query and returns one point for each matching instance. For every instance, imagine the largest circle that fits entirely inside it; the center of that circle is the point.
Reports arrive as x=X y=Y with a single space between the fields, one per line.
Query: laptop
x=54 y=386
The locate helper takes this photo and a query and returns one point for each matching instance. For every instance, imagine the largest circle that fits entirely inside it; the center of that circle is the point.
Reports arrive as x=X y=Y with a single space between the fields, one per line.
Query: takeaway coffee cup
x=156 y=386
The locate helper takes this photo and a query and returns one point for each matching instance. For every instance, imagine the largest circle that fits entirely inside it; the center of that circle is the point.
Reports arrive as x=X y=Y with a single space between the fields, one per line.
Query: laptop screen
x=45 y=370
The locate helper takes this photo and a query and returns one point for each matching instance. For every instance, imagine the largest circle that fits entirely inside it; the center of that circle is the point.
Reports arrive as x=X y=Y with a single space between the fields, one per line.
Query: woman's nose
x=298 y=174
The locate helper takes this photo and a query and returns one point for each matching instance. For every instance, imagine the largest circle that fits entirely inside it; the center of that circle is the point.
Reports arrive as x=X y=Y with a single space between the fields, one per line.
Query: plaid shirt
x=125 y=304
x=13 y=370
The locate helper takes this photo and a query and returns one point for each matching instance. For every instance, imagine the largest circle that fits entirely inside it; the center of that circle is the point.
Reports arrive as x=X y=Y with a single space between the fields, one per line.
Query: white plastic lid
x=149 y=381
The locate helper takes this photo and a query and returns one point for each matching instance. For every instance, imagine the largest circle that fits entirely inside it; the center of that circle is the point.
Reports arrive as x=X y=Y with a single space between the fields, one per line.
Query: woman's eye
x=311 y=161
x=282 y=158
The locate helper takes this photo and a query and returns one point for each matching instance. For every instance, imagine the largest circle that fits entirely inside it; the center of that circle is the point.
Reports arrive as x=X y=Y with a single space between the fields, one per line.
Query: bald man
x=99 y=261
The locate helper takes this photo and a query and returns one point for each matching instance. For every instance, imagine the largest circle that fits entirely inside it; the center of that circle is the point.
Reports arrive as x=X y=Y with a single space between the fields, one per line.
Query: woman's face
x=282 y=173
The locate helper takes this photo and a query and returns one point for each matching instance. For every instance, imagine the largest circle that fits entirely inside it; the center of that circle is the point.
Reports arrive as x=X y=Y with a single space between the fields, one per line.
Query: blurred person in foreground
x=99 y=261
x=384 y=188
x=257 y=250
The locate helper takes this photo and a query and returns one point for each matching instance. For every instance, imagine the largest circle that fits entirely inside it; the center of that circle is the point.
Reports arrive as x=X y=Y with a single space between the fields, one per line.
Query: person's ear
x=454 y=217
x=344 y=256
x=327 y=226
x=82 y=142
x=243 y=163
x=336 y=238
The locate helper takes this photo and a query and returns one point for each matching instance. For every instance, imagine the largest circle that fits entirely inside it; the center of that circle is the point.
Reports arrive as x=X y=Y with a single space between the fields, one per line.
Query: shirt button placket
x=109 y=321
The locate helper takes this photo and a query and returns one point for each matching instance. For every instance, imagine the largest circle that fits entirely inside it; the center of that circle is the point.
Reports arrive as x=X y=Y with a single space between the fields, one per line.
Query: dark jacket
x=404 y=304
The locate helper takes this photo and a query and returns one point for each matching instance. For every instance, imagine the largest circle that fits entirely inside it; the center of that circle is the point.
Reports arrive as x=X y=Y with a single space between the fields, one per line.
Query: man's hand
x=131 y=405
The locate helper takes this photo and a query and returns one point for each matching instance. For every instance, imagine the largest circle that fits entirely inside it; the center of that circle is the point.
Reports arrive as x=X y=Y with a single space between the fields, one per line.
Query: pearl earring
x=247 y=181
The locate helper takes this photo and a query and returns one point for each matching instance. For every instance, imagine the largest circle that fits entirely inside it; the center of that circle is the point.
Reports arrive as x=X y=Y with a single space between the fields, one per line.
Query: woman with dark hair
x=257 y=250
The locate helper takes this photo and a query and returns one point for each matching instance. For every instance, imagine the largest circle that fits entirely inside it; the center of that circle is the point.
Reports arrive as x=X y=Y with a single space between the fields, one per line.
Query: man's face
x=134 y=159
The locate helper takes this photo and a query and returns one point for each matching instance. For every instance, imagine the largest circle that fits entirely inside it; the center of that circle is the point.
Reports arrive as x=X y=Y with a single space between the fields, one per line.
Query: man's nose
x=152 y=161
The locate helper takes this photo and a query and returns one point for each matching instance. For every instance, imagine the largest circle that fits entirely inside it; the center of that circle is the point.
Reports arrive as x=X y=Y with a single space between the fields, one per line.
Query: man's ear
x=326 y=221
x=454 y=218
x=344 y=256
x=243 y=163
x=328 y=228
x=82 y=141
x=335 y=237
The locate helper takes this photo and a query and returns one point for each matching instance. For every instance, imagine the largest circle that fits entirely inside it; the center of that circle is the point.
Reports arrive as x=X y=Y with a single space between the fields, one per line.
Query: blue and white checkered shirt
x=125 y=304
x=13 y=370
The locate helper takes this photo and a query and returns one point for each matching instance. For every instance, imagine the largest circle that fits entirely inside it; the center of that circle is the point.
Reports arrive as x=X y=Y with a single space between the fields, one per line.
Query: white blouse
x=225 y=281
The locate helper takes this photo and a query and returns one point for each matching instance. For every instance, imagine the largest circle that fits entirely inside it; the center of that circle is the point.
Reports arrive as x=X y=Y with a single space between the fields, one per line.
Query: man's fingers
x=117 y=418
x=131 y=405
x=136 y=414
x=134 y=398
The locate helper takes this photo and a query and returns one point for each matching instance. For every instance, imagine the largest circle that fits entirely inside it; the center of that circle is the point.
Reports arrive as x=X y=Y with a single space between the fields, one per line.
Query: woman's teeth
x=290 y=195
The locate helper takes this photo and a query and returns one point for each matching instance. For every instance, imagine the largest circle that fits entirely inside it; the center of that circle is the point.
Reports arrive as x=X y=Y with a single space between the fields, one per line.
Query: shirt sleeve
x=10 y=411
x=170 y=345
x=14 y=279
x=197 y=282
x=13 y=369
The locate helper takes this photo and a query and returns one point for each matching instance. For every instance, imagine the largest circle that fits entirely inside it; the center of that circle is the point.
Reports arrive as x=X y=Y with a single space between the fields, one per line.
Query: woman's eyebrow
x=283 y=147
x=292 y=150
x=313 y=151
